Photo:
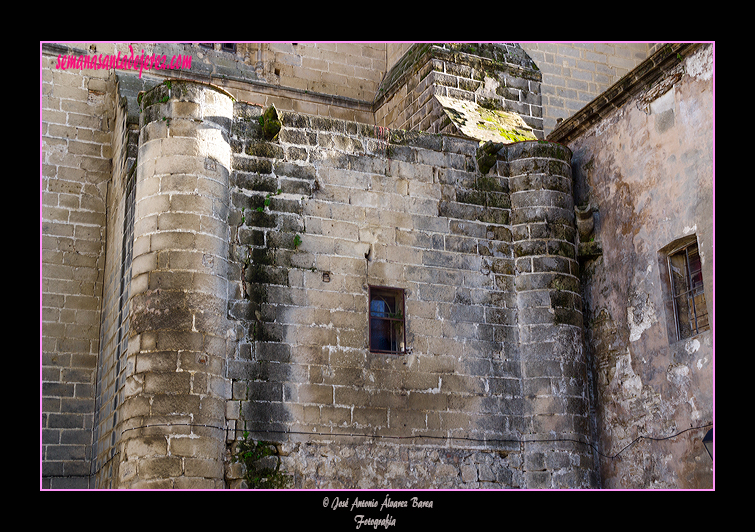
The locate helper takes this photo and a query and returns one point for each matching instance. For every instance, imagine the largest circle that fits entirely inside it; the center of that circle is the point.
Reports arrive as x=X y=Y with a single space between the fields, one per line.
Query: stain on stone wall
x=331 y=208
x=253 y=258
x=648 y=169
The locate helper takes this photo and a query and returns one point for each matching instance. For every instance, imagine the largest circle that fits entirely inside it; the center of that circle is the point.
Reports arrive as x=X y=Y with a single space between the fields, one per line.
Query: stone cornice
x=228 y=81
x=631 y=85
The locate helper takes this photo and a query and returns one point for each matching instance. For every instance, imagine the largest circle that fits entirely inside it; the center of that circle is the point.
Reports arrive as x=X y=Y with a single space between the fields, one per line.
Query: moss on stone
x=270 y=123
x=487 y=155
x=486 y=122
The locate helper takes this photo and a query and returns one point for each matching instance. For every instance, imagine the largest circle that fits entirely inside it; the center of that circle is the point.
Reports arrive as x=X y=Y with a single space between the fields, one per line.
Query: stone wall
x=488 y=266
x=114 y=325
x=573 y=74
x=428 y=77
x=466 y=246
x=350 y=70
x=77 y=121
x=172 y=417
x=643 y=163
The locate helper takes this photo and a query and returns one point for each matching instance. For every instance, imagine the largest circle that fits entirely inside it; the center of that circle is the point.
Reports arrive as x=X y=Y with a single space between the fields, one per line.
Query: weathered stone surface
x=219 y=283
x=445 y=384
x=625 y=284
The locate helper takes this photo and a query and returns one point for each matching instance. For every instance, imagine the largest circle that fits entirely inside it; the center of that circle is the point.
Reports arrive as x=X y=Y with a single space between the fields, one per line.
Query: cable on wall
x=382 y=436
x=414 y=437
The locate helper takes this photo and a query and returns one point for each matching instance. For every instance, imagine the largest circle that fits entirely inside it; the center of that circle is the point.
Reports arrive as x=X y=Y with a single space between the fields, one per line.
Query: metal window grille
x=688 y=294
x=387 y=321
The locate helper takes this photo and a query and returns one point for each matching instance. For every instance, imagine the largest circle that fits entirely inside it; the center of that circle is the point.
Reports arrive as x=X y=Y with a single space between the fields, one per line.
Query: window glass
x=387 y=320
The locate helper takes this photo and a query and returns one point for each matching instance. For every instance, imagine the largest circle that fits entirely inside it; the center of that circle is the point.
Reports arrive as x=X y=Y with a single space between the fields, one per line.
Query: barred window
x=387 y=320
x=224 y=46
x=690 y=311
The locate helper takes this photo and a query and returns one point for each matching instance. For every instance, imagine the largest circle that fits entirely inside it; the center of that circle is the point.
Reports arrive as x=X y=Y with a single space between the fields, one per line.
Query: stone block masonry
x=427 y=87
x=553 y=366
x=172 y=419
x=488 y=267
x=114 y=323
x=251 y=259
x=76 y=122
x=209 y=266
x=576 y=73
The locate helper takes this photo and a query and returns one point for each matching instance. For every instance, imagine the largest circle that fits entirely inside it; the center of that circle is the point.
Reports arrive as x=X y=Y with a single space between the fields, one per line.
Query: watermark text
x=124 y=62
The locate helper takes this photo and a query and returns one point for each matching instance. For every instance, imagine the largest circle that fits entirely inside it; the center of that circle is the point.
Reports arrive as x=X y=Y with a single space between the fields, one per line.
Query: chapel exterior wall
x=486 y=327
x=644 y=173
x=488 y=266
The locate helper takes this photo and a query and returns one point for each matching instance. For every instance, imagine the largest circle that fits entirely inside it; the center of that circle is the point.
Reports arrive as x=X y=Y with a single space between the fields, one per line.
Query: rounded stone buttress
x=173 y=417
x=549 y=306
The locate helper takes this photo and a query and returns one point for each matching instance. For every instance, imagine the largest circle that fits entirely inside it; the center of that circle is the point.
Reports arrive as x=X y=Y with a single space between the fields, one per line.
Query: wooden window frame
x=393 y=321
x=686 y=304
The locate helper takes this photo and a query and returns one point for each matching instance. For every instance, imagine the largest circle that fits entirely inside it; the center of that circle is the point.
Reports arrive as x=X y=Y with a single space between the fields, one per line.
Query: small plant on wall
x=257 y=457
